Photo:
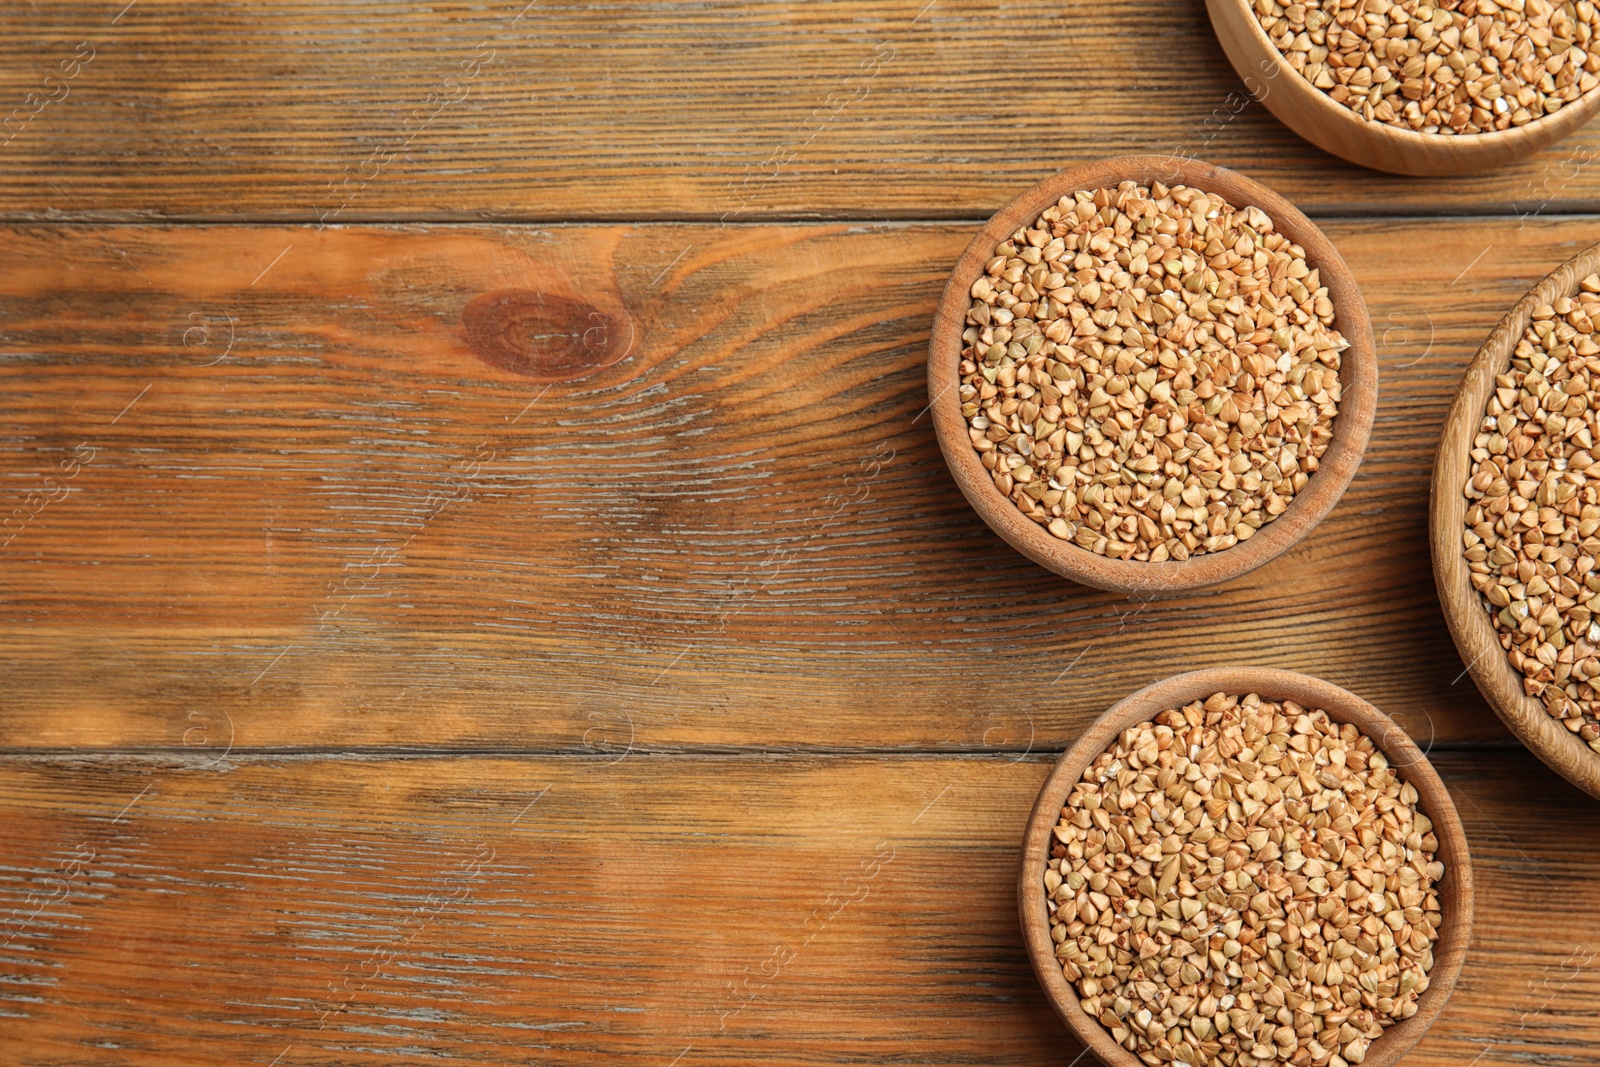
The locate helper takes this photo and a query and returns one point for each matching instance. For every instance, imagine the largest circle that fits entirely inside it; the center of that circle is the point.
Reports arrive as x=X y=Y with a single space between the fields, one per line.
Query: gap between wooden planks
x=302 y=110
x=316 y=501
x=581 y=910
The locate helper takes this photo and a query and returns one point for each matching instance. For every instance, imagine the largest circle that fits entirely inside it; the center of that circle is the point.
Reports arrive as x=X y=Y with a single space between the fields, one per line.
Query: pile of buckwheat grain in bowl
x=1247 y=883
x=1150 y=372
x=1533 y=509
x=1446 y=67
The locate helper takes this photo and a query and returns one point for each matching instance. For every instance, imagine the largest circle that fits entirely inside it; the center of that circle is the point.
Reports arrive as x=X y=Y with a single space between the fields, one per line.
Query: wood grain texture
x=1465 y=610
x=725 y=910
x=648 y=109
x=458 y=543
x=353 y=529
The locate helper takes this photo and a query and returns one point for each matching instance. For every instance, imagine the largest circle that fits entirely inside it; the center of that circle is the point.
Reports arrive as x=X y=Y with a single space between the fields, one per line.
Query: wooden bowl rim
x=1350 y=120
x=1456 y=891
x=1358 y=377
x=1464 y=611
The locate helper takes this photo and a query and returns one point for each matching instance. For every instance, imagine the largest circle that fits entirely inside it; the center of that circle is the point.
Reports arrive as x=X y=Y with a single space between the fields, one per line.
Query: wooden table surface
x=485 y=589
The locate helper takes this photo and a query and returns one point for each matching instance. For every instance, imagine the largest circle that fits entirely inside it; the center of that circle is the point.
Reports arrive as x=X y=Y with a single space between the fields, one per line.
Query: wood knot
x=544 y=337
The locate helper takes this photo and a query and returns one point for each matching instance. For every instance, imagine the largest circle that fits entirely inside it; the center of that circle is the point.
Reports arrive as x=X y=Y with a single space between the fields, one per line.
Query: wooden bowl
x=1358 y=377
x=1455 y=891
x=1331 y=126
x=1464 y=607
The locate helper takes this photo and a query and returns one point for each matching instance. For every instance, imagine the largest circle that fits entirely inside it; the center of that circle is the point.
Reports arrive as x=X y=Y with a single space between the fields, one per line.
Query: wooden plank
x=352 y=528
x=298 y=110
x=567 y=910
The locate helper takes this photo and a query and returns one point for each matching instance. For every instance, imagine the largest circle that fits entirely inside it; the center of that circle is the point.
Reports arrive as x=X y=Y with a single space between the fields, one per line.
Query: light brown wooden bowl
x=1464 y=607
x=1331 y=126
x=1358 y=377
x=1455 y=892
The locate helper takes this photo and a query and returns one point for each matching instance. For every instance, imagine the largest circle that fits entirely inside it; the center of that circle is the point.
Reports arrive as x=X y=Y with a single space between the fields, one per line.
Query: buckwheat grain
x=1150 y=372
x=1246 y=883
